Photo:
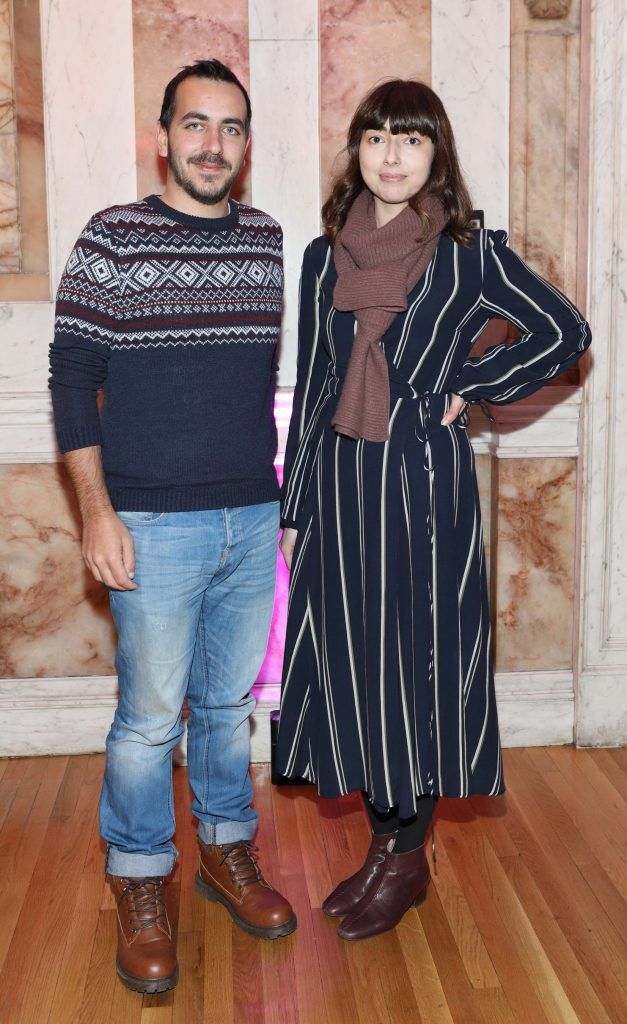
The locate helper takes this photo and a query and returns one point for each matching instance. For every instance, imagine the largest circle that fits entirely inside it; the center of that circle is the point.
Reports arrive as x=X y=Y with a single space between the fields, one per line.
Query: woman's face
x=394 y=167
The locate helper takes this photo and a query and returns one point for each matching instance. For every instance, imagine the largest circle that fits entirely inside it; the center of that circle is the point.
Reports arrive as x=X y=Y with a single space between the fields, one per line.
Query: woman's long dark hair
x=407 y=107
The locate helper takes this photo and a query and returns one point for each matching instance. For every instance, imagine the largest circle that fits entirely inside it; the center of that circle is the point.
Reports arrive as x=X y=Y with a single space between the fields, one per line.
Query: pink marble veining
x=166 y=37
x=545 y=157
x=361 y=43
x=27 y=278
x=535 y=550
x=9 y=226
x=55 y=617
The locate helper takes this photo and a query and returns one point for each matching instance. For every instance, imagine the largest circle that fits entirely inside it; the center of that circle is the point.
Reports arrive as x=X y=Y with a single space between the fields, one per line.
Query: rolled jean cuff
x=226 y=831
x=139 y=865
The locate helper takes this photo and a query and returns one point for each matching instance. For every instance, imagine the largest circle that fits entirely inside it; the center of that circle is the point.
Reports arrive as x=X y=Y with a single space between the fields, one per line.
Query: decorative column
x=601 y=692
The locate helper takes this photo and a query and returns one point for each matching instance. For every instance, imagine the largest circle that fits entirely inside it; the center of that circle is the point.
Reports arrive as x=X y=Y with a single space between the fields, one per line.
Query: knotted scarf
x=377 y=268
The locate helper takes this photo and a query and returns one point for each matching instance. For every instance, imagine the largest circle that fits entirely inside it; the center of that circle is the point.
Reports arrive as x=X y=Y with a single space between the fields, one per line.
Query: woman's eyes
x=412 y=140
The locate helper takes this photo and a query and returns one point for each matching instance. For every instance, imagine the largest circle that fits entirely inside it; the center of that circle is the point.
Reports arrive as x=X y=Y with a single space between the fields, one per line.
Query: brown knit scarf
x=377 y=268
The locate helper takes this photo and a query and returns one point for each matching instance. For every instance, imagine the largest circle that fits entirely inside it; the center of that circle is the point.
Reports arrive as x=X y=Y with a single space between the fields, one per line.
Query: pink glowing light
x=270 y=671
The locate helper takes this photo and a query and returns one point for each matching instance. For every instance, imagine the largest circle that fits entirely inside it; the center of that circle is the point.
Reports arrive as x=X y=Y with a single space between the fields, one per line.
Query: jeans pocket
x=140 y=518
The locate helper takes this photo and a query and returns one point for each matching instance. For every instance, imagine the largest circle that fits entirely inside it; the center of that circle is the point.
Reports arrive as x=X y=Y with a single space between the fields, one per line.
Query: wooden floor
x=525 y=920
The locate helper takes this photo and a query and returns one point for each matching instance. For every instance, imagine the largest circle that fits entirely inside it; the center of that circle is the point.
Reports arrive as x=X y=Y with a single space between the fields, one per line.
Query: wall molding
x=72 y=715
x=545 y=425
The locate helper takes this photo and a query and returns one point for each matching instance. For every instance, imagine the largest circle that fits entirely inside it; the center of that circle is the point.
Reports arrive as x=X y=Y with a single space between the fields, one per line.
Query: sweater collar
x=209 y=224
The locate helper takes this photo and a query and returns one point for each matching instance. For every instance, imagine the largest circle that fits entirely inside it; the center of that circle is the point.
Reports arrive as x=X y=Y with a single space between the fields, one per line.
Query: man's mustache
x=210 y=158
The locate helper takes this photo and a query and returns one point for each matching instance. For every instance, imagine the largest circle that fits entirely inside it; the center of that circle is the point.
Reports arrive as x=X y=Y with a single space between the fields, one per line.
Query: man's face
x=206 y=143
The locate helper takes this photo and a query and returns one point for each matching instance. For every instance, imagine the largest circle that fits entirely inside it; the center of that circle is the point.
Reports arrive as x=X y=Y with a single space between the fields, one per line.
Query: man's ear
x=162 y=141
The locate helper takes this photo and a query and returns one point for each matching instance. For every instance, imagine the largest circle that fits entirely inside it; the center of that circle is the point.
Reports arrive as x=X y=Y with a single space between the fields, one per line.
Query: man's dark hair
x=215 y=71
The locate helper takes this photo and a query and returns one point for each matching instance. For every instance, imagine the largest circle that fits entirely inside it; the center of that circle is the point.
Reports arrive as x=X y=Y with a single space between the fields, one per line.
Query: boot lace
x=146 y=903
x=240 y=858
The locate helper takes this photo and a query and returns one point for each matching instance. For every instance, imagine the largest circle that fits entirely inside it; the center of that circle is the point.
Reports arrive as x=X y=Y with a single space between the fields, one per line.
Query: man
x=172 y=306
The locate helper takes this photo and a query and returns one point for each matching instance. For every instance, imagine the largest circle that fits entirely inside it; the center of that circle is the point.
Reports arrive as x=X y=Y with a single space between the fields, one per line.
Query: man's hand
x=454 y=409
x=108 y=550
x=288 y=540
x=107 y=544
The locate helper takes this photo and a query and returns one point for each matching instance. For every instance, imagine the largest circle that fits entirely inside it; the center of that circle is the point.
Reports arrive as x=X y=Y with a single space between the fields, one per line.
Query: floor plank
x=523 y=922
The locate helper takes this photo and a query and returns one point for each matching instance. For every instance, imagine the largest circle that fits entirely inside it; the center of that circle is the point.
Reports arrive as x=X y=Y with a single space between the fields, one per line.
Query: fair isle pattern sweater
x=176 y=319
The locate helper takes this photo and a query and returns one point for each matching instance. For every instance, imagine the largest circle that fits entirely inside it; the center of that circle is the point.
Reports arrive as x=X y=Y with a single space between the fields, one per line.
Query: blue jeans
x=197 y=625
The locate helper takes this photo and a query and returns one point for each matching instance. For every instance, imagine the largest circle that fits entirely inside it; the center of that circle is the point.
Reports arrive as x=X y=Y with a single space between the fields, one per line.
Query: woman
x=388 y=683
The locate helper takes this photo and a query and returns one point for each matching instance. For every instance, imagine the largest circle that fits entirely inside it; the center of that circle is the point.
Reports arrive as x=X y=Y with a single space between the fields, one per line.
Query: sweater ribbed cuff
x=85 y=435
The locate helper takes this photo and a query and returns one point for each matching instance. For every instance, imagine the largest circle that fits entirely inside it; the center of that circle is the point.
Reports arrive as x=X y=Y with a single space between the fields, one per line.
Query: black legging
x=410 y=832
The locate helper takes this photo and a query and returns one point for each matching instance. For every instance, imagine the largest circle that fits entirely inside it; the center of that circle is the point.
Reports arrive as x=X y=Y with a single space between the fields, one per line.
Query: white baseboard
x=73 y=715
x=602 y=708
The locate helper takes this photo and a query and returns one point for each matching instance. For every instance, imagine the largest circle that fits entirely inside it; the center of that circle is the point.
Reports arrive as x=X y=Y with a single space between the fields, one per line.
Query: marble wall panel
x=545 y=157
x=90 y=115
x=22 y=157
x=55 y=618
x=285 y=140
x=283 y=19
x=361 y=43
x=535 y=530
x=30 y=139
x=166 y=37
x=9 y=228
x=471 y=70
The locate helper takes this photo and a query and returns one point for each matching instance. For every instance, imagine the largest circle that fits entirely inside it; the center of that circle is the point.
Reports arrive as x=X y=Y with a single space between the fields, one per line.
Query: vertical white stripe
x=407 y=507
x=434 y=613
x=347 y=621
x=408 y=741
x=471 y=552
x=384 y=468
x=487 y=706
x=424 y=351
x=326 y=675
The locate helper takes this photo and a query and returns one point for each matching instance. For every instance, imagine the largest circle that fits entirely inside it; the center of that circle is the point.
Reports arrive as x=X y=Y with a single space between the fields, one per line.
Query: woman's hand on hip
x=454 y=409
x=288 y=540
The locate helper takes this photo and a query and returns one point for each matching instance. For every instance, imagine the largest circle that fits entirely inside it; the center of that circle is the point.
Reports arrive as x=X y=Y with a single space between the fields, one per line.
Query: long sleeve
x=310 y=391
x=87 y=317
x=554 y=338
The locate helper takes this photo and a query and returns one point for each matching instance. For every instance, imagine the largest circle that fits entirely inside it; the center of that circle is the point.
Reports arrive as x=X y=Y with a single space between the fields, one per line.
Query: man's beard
x=212 y=193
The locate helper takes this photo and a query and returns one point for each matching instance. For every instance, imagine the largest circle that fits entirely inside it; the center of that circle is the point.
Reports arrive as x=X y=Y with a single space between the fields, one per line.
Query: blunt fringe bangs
x=407 y=106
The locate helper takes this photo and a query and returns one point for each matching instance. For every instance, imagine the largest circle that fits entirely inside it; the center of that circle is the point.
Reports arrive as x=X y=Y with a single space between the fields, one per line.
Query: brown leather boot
x=146 y=960
x=349 y=892
x=402 y=884
x=230 y=875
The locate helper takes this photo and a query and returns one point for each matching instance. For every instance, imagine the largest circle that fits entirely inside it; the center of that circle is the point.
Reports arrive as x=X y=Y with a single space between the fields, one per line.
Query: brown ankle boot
x=230 y=875
x=349 y=892
x=146 y=960
x=402 y=884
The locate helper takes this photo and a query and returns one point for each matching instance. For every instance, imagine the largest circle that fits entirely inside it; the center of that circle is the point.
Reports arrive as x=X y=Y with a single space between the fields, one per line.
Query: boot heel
x=205 y=890
x=420 y=898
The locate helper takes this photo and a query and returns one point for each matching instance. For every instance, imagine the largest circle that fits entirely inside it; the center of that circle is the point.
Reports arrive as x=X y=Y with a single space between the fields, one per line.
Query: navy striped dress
x=387 y=681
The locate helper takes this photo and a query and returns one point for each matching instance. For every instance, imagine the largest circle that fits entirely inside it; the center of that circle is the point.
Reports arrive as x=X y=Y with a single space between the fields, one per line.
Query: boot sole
x=146 y=985
x=360 y=938
x=344 y=913
x=208 y=893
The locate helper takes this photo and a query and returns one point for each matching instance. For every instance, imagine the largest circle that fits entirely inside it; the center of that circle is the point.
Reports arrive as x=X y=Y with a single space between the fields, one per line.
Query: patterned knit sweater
x=176 y=319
